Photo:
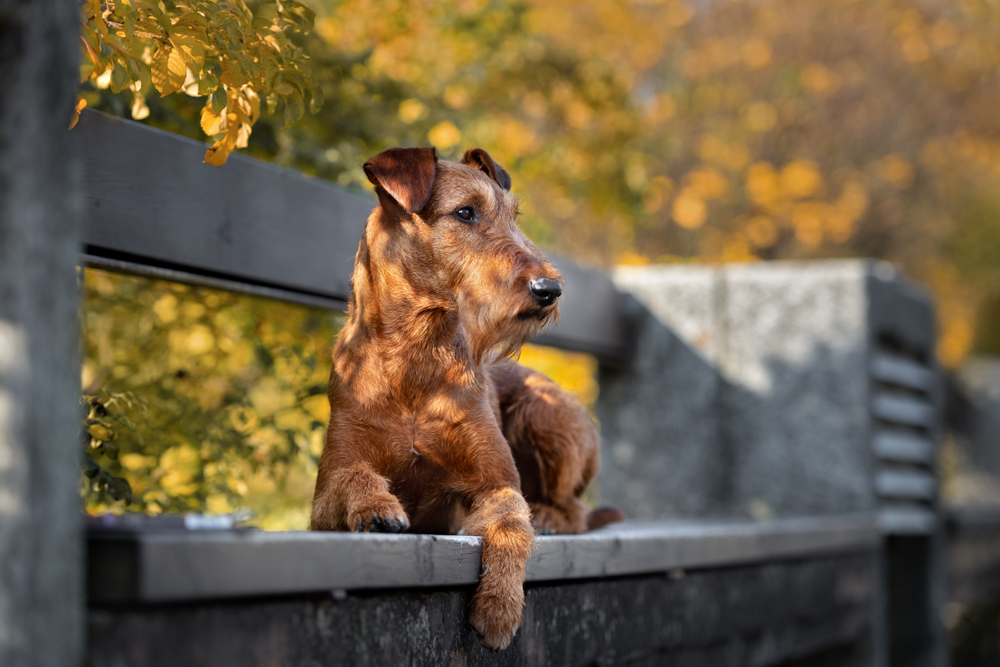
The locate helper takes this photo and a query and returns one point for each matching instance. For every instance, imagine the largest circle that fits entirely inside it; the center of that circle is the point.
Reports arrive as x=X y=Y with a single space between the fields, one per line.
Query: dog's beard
x=498 y=333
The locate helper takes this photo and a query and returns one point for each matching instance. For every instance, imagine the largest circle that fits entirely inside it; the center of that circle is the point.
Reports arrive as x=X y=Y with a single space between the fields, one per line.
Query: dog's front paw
x=496 y=614
x=381 y=514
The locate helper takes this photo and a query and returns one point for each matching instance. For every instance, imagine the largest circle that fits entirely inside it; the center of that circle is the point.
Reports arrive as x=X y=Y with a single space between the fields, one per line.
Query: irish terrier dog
x=433 y=429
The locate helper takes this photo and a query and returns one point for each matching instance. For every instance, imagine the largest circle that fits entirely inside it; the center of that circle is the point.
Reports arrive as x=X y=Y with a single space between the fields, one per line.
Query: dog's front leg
x=501 y=517
x=357 y=498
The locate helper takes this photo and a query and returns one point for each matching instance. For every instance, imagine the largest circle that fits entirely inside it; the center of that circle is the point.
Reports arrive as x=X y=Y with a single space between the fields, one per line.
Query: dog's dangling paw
x=495 y=618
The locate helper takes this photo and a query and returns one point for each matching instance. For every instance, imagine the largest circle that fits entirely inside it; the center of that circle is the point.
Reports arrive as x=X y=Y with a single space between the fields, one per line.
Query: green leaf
x=219 y=101
x=129 y=23
x=305 y=16
x=119 y=77
x=281 y=87
x=245 y=61
x=316 y=101
x=233 y=28
x=100 y=431
x=153 y=10
x=232 y=74
x=134 y=69
x=207 y=84
x=191 y=20
x=294 y=77
x=294 y=109
x=212 y=68
x=269 y=65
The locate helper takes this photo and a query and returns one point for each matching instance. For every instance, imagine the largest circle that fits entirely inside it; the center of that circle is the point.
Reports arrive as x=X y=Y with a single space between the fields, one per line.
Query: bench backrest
x=154 y=209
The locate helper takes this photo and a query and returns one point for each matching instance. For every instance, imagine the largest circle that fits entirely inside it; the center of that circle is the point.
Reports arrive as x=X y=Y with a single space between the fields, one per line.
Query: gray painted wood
x=906 y=484
x=907 y=519
x=41 y=564
x=898 y=370
x=154 y=209
x=173 y=566
x=903 y=447
x=903 y=409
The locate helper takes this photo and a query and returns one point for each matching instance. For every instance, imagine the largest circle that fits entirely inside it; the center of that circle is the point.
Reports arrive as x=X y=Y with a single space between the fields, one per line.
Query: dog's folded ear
x=406 y=175
x=480 y=159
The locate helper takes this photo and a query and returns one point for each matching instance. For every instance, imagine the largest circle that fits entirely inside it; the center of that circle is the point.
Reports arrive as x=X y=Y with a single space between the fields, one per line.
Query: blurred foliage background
x=638 y=131
x=200 y=400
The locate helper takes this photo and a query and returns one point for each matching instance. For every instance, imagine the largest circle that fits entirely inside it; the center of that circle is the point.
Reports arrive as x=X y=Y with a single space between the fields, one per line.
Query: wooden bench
x=787 y=592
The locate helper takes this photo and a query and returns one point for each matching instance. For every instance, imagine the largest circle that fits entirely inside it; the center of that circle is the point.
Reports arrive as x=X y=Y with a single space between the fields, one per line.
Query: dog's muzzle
x=545 y=291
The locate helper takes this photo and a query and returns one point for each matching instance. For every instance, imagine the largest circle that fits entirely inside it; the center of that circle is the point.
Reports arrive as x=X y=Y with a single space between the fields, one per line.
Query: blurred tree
x=227 y=395
x=200 y=400
x=658 y=130
x=226 y=52
x=664 y=130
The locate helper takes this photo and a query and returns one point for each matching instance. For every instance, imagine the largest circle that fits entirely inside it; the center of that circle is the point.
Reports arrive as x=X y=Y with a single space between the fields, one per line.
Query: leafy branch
x=223 y=51
x=104 y=418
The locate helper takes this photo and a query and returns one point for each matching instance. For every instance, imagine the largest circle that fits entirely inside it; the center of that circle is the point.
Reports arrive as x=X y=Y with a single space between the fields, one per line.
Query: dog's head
x=452 y=230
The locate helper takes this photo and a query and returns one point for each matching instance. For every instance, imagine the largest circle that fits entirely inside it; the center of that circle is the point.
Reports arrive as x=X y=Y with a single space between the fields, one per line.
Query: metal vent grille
x=905 y=421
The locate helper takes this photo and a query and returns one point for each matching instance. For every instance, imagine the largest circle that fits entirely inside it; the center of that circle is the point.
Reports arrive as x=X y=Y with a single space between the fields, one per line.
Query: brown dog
x=432 y=428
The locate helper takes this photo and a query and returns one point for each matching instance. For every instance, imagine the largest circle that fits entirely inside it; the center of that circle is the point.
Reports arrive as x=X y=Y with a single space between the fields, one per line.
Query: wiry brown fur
x=432 y=428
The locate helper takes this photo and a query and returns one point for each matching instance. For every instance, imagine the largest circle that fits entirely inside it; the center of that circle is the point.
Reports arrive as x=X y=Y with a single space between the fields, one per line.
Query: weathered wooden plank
x=178 y=565
x=762 y=614
x=154 y=209
x=151 y=200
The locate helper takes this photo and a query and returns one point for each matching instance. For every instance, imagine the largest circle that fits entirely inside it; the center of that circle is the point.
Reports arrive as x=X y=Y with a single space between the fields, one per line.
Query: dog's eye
x=465 y=214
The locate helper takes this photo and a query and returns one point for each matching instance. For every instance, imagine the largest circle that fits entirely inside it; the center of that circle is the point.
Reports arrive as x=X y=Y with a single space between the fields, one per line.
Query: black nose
x=545 y=291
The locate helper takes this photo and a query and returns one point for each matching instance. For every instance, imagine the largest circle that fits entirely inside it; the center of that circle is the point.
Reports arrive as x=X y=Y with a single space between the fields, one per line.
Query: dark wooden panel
x=765 y=615
x=153 y=208
x=589 y=316
x=151 y=200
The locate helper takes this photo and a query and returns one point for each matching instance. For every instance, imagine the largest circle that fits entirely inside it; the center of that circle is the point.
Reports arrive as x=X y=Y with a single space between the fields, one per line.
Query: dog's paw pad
x=389 y=524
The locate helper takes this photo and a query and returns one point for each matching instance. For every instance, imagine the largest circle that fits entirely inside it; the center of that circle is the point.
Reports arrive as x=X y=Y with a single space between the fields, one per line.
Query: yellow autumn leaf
x=444 y=135
x=100 y=432
x=168 y=70
x=218 y=153
x=77 y=109
x=762 y=184
x=689 y=210
x=800 y=179
x=212 y=123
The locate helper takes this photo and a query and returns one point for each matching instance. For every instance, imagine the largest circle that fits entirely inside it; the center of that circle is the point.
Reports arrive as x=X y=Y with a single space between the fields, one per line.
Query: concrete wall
x=41 y=601
x=748 y=392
